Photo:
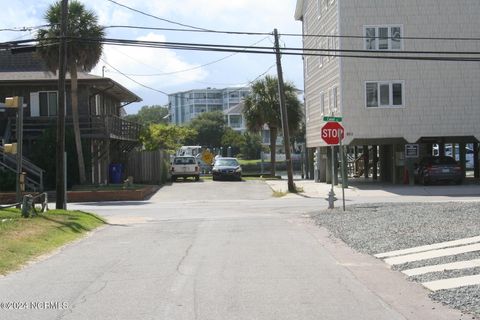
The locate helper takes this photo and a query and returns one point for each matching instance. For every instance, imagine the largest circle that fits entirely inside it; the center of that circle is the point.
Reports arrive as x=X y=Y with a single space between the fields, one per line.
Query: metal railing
x=34 y=174
x=91 y=126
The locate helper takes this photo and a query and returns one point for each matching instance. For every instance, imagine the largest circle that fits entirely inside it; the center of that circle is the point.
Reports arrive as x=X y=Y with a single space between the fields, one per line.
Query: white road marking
x=440 y=245
x=442 y=267
x=433 y=254
x=452 y=283
x=438 y=250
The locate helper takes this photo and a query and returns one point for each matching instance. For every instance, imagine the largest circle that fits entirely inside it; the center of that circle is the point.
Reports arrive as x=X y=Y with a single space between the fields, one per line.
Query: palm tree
x=81 y=55
x=262 y=108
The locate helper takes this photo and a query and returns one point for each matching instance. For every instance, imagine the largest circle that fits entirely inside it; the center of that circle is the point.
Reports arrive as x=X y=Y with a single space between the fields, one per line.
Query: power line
x=393 y=55
x=297 y=34
x=194 y=68
x=257 y=49
x=248 y=33
x=131 y=79
x=158 y=18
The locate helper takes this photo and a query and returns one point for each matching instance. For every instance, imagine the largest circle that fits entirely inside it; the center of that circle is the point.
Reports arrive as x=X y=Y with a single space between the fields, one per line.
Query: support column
x=311 y=169
x=107 y=161
x=394 y=164
x=335 y=168
x=375 y=162
x=366 y=161
x=429 y=149
x=323 y=164
x=441 y=148
x=476 y=148
x=317 y=167
x=463 y=157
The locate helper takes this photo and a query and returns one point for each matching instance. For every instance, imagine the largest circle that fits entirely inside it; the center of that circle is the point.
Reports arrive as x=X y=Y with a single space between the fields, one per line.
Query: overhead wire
x=131 y=79
x=156 y=17
x=196 y=67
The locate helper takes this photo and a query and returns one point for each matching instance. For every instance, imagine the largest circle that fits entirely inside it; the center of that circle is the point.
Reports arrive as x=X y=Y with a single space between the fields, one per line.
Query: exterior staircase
x=34 y=174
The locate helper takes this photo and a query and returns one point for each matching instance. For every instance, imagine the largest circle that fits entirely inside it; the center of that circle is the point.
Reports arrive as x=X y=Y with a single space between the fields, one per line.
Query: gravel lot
x=377 y=228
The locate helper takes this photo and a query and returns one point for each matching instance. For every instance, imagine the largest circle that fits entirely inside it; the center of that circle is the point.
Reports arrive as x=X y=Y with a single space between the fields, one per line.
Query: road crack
x=179 y=265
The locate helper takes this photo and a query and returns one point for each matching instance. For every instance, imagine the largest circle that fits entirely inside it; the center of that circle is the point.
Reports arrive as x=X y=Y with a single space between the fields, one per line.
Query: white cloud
x=135 y=61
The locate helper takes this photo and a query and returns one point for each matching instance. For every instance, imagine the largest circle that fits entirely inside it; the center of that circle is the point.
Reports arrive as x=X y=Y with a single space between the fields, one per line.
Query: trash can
x=116 y=171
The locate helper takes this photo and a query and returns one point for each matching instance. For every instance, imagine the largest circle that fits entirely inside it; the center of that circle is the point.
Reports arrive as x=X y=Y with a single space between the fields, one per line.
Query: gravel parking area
x=377 y=228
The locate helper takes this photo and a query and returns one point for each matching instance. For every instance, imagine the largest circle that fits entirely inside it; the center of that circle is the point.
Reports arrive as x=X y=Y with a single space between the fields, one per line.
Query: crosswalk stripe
x=432 y=254
x=439 y=245
x=442 y=267
x=452 y=283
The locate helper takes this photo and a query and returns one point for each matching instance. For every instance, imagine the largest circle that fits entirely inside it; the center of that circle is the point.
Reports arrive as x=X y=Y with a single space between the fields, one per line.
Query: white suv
x=185 y=166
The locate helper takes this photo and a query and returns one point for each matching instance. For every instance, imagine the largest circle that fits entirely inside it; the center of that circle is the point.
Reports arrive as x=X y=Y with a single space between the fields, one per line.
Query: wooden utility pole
x=283 y=111
x=61 y=202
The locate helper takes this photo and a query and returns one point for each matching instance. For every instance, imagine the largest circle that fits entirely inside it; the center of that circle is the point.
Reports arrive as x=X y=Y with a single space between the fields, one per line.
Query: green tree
x=234 y=139
x=210 y=127
x=148 y=115
x=262 y=108
x=81 y=55
x=252 y=147
x=167 y=137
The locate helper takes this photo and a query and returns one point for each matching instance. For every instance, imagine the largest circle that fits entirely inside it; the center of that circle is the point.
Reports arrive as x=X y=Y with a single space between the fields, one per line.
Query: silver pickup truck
x=184 y=167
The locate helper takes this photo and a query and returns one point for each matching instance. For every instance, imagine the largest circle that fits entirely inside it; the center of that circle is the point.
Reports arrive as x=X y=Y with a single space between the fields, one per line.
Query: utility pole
x=60 y=159
x=283 y=111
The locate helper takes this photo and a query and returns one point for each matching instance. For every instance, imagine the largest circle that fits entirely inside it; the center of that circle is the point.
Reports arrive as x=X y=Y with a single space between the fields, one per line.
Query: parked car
x=469 y=157
x=433 y=169
x=226 y=168
x=184 y=167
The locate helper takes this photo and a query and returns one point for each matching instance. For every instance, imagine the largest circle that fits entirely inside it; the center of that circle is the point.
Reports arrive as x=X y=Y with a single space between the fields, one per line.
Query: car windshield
x=227 y=163
x=184 y=160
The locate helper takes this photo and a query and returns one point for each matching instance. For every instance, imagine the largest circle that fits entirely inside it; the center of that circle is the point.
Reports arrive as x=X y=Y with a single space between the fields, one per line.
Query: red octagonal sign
x=331 y=132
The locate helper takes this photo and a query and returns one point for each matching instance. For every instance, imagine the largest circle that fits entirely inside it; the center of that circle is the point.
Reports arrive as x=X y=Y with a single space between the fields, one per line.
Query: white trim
x=34 y=104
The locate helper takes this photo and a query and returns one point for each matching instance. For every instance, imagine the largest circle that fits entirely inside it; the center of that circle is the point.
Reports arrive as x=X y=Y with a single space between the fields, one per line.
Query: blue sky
x=142 y=63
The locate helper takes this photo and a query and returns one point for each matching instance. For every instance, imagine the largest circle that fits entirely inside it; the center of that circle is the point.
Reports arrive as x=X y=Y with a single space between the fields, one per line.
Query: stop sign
x=332 y=132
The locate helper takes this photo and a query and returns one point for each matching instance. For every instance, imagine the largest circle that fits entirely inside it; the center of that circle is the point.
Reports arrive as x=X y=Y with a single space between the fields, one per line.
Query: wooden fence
x=148 y=167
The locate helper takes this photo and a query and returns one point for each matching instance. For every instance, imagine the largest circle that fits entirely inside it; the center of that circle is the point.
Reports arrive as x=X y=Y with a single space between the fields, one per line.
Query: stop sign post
x=332 y=133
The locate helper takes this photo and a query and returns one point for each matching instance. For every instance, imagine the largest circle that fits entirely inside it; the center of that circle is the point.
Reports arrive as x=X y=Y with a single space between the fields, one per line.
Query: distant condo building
x=185 y=106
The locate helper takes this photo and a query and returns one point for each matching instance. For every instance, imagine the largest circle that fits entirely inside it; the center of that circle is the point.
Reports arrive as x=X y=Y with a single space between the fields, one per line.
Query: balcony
x=94 y=127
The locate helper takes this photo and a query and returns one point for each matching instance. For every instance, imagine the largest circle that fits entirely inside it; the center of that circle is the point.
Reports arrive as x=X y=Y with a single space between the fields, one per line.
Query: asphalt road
x=211 y=250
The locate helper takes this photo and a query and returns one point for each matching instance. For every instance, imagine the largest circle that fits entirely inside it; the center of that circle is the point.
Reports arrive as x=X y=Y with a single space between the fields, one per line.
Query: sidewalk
x=367 y=191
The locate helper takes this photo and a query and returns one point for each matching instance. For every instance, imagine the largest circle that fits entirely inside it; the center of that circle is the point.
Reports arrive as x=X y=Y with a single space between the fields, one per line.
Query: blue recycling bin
x=116 y=171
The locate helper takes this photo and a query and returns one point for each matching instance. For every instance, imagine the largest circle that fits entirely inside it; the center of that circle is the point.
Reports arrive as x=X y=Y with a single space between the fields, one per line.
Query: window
x=384 y=94
x=43 y=104
x=383 y=38
x=48 y=104
x=235 y=121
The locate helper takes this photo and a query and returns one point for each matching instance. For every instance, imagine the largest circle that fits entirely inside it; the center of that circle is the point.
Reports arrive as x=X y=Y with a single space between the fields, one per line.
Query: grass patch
x=279 y=194
x=22 y=239
x=249 y=162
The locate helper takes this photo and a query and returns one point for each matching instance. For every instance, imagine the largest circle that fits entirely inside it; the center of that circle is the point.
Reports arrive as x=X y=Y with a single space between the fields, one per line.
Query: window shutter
x=34 y=104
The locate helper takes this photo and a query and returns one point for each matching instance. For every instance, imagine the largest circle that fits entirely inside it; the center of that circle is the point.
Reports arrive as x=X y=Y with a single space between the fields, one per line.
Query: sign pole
x=331 y=194
x=342 y=159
